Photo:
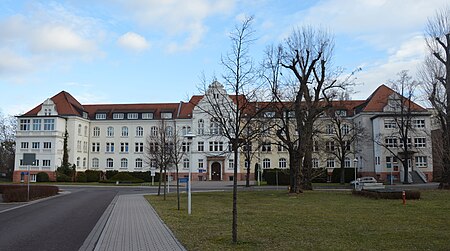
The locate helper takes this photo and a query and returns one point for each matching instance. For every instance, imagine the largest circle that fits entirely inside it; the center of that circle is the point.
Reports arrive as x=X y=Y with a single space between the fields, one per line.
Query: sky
x=156 y=51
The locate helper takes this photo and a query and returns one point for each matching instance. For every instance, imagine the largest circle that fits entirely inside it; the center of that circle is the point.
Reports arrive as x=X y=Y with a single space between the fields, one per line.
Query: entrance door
x=215 y=171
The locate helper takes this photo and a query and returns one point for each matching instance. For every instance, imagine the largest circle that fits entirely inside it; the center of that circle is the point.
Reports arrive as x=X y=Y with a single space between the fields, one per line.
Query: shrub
x=124 y=177
x=81 y=177
x=270 y=175
x=42 y=177
x=349 y=175
x=93 y=175
x=110 y=173
x=60 y=177
x=18 y=193
x=388 y=194
x=145 y=176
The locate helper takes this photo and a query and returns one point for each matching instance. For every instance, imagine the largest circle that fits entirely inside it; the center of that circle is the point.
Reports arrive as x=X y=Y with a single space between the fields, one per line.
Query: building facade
x=116 y=137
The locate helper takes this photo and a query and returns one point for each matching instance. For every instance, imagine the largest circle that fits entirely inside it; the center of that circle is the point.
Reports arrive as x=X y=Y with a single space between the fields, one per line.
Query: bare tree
x=436 y=75
x=306 y=55
x=7 y=144
x=232 y=114
x=177 y=151
x=402 y=110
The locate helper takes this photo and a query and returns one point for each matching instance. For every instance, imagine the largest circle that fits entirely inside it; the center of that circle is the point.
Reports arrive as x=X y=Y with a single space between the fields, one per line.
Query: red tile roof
x=65 y=104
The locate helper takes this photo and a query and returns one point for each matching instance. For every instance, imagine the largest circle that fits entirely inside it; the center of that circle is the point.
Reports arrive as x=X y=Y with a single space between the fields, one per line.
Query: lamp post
x=355 y=165
x=189 y=136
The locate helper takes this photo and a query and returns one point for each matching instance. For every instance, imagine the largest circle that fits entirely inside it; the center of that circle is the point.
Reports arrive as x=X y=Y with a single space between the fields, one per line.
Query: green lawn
x=315 y=220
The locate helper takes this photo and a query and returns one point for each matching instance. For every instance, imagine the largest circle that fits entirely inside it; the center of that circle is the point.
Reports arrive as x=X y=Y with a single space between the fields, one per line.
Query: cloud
x=134 y=42
x=179 y=20
x=45 y=35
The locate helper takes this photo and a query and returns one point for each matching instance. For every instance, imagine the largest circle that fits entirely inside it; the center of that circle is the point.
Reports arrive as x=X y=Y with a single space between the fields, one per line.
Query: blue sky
x=145 y=51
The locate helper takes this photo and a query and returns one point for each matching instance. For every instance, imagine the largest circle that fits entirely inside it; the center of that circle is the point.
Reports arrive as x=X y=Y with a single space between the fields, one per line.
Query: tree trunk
x=159 y=182
x=406 y=171
x=165 y=182
x=247 y=178
x=178 y=190
x=234 y=227
x=294 y=172
x=306 y=171
x=342 y=162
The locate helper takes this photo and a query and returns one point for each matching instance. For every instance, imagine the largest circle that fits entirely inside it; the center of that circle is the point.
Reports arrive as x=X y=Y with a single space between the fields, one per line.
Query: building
x=115 y=137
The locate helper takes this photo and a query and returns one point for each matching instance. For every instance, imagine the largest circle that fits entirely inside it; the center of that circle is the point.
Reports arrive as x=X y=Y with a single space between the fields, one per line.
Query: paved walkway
x=131 y=224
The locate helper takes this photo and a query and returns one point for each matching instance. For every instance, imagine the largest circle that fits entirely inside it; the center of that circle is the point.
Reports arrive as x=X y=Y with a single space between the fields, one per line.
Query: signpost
x=28 y=160
x=153 y=173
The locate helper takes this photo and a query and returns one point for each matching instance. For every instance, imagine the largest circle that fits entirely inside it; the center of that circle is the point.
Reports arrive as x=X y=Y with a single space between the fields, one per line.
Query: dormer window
x=269 y=114
x=147 y=115
x=85 y=115
x=118 y=116
x=340 y=113
x=132 y=116
x=166 y=115
x=100 y=116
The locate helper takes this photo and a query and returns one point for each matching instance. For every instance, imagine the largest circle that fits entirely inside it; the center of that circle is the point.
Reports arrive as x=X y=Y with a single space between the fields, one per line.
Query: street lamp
x=355 y=165
x=189 y=136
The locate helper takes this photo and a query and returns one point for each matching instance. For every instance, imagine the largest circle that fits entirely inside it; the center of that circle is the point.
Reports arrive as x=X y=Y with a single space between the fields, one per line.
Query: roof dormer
x=48 y=108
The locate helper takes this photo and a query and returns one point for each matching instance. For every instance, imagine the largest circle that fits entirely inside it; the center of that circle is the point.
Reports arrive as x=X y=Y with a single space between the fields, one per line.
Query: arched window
x=315 y=163
x=124 y=131
x=123 y=163
x=78 y=161
x=282 y=163
x=169 y=131
x=201 y=127
x=96 y=131
x=95 y=163
x=347 y=162
x=109 y=163
x=85 y=131
x=345 y=129
x=266 y=163
x=110 y=132
x=138 y=163
x=139 y=131
x=215 y=127
x=84 y=162
x=79 y=129
x=186 y=163
x=154 y=131
x=185 y=130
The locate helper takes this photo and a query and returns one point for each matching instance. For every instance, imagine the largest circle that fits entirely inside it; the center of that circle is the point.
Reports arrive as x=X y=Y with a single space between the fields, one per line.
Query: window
x=95 y=163
x=247 y=147
x=85 y=146
x=110 y=131
x=421 y=161
x=388 y=162
x=147 y=115
x=78 y=145
x=153 y=147
x=329 y=146
x=247 y=164
x=215 y=127
x=79 y=129
x=153 y=163
x=139 y=147
x=281 y=147
x=230 y=164
x=154 y=131
x=124 y=131
x=409 y=142
x=139 y=131
x=46 y=163
x=315 y=163
x=266 y=163
x=96 y=131
x=166 y=115
x=110 y=147
x=109 y=163
x=282 y=163
x=84 y=162
x=345 y=129
x=390 y=142
x=24 y=145
x=347 y=162
x=201 y=127
x=200 y=163
x=100 y=116
x=49 y=124
x=124 y=147
x=132 y=116
x=35 y=145
x=315 y=146
x=266 y=147
x=85 y=131
x=390 y=123
x=78 y=161
x=118 y=116
x=269 y=114
x=420 y=142
x=24 y=124
x=36 y=124
x=138 y=163
x=330 y=163
x=341 y=113
x=186 y=163
x=215 y=146
x=169 y=131
x=185 y=147
x=95 y=147
x=47 y=145
x=418 y=123
x=329 y=129
x=123 y=163
x=185 y=130
x=200 y=146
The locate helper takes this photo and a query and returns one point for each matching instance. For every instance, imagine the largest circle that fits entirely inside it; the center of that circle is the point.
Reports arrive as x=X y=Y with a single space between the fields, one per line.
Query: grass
x=314 y=220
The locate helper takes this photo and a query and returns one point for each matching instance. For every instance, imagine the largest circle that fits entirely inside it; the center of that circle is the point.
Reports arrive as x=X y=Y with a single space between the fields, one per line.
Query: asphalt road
x=60 y=223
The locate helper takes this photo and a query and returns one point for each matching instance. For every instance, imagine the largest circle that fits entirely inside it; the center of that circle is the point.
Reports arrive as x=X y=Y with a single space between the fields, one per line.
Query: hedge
x=349 y=175
x=388 y=194
x=270 y=176
x=123 y=177
x=81 y=177
x=93 y=175
x=42 y=177
x=18 y=193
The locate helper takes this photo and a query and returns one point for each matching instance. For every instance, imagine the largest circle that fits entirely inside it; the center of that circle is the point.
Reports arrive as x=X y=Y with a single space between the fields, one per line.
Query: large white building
x=114 y=137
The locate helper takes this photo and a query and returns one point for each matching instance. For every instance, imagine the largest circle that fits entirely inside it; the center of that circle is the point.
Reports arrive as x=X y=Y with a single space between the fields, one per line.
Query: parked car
x=364 y=180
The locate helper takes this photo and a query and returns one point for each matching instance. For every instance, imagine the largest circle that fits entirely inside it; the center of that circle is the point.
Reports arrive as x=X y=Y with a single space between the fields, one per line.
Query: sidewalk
x=131 y=224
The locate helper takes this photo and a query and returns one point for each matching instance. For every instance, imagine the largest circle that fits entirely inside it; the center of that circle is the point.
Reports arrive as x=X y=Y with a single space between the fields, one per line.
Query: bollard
x=404 y=197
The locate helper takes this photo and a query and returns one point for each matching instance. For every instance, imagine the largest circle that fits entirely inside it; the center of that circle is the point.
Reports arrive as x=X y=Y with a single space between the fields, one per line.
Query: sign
x=29 y=159
x=183 y=180
x=201 y=170
x=24 y=173
x=153 y=173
